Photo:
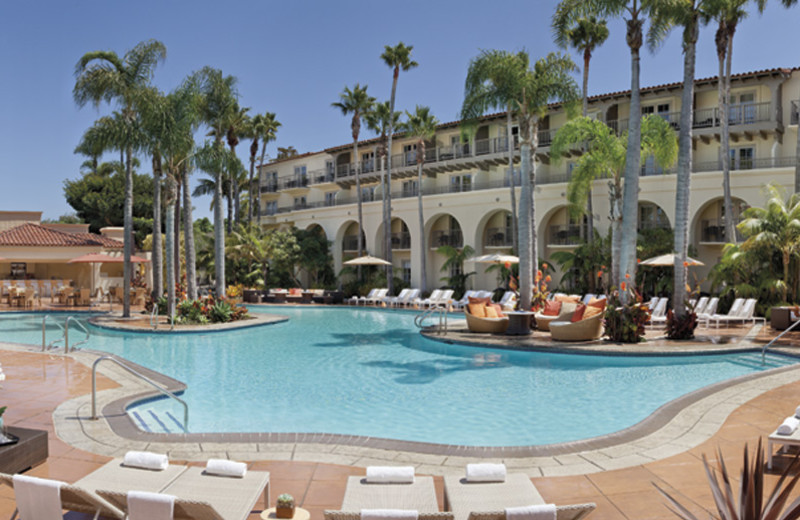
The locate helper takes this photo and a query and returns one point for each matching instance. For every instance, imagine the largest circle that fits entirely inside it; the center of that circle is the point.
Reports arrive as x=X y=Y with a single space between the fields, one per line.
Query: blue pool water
x=366 y=372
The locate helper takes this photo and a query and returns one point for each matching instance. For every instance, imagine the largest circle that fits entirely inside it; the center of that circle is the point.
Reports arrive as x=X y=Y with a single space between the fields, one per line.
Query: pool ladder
x=154 y=318
x=776 y=338
x=140 y=376
x=65 y=334
x=435 y=311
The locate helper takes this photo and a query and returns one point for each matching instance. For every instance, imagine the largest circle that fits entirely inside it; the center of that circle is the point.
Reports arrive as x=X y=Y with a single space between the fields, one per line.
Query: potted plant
x=284 y=507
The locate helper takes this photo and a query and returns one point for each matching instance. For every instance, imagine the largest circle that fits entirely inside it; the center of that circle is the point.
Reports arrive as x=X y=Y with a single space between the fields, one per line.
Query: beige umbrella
x=495 y=258
x=669 y=260
x=367 y=260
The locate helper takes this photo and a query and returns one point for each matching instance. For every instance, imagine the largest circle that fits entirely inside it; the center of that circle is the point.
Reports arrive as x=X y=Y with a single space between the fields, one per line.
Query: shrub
x=681 y=327
x=625 y=323
x=220 y=312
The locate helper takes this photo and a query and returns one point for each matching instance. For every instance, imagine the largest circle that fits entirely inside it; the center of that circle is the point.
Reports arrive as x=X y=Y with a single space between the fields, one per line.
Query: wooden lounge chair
x=115 y=476
x=419 y=495
x=793 y=439
x=75 y=498
x=488 y=500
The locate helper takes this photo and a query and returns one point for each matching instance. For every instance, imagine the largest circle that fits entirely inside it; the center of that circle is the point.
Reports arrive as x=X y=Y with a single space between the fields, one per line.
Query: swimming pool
x=370 y=373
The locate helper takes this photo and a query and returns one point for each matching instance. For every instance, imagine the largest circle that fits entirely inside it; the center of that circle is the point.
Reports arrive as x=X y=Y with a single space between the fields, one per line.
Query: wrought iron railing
x=452 y=238
x=499 y=237
x=565 y=235
x=713 y=231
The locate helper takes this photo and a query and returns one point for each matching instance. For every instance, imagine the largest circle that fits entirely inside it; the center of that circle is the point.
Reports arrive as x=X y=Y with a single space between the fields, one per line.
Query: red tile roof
x=34 y=235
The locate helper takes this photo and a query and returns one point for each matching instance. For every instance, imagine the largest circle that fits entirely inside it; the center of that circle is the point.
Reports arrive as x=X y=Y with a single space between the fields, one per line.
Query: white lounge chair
x=460 y=304
x=709 y=310
x=355 y=299
x=72 y=498
x=659 y=314
x=412 y=295
x=423 y=302
x=700 y=306
x=587 y=298
x=390 y=301
x=378 y=298
x=733 y=314
x=508 y=301
x=785 y=441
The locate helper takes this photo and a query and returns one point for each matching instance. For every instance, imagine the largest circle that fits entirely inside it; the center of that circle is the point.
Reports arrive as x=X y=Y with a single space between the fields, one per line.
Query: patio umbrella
x=495 y=258
x=367 y=260
x=668 y=260
x=100 y=258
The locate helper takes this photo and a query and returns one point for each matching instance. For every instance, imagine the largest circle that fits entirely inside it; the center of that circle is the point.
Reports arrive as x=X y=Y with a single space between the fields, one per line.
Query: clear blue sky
x=293 y=58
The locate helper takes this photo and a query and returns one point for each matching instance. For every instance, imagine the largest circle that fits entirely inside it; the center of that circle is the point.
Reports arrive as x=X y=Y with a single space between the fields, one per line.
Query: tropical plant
x=104 y=76
x=421 y=125
x=263 y=127
x=396 y=58
x=258 y=257
x=583 y=263
x=314 y=257
x=358 y=103
x=681 y=327
x=752 y=503
x=285 y=153
x=454 y=264
x=220 y=312
x=625 y=318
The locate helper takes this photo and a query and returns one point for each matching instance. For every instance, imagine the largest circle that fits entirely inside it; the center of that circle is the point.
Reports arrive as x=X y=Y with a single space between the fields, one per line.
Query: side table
x=30 y=450
x=299 y=514
x=519 y=323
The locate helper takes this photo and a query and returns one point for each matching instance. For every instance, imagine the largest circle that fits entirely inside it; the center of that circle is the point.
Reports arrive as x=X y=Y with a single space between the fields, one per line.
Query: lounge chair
x=792 y=439
x=460 y=304
x=543 y=320
x=587 y=298
x=412 y=295
x=419 y=495
x=390 y=301
x=73 y=498
x=709 y=310
x=586 y=329
x=485 y=325
x=378 y=298
x=355 y=299
x=356 y=515
x=115 y=476
x=488 y=500
x=700 y=306
x=736 y=314
x=659 y=313
x=508 y=301
x=424 y=302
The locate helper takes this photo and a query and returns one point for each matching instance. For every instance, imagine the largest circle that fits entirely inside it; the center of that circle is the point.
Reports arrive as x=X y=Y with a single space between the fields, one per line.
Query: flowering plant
x=540 y=292
x=625 y=321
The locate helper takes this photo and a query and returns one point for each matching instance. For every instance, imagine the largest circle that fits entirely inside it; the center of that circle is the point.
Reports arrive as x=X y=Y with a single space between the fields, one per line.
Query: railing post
x=66 y=335
x=44 y=324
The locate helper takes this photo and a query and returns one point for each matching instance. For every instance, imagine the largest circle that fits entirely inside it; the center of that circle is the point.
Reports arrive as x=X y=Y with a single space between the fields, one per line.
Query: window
x=456 y=269
x=299 y=202
x=410 y=154
x=459 y=183
x=410 y=189
x=329 y=167
x=367 y=194
x=271 y=207
x=269 y=181
x=743 y=108
x=649 y=167
x=407 y=272
x=300 y=177
x=742 y=158
x=368 y=162
x=652 y=216
x=330 y=198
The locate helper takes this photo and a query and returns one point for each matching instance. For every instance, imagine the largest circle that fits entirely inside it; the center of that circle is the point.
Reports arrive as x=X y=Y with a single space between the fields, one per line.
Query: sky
x=294 y=57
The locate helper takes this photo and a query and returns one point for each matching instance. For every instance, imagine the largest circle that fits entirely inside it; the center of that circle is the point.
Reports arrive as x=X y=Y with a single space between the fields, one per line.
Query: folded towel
x=486 y=472
x=389 y=514
x=150 y=506
x=146 y=460
x=37 y=497
x=390 y=474
x=788 y=426
x=537 y=512
x=226 y=468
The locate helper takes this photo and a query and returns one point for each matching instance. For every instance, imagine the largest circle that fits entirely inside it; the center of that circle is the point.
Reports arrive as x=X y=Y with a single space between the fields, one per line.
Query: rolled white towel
x=537 y=512
x=390 y=474
x=486 y=472
x=226 y=468
x=146 y=460
x=150 y=506
x=389 y=514
x=37 y=497
x=797 y=412
x=788 y=426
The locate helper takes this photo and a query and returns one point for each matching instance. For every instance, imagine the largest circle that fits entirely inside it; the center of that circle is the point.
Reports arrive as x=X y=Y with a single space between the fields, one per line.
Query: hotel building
x=466 y=186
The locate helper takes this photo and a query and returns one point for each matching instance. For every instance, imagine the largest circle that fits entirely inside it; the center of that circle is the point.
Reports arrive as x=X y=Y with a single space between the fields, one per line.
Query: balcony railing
x=652 y=224
x=741 y=114
x=350 y=243
x=452 y=238
x=713 y=231
x=270 y=187
x=565 y=235
x=499 y=237
x=401 y=240
x=293 y=182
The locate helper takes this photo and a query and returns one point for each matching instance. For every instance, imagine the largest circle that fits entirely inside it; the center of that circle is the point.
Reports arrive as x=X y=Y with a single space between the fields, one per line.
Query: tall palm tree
x=268 y=129
x=421 y=125
x=379 y=120
x=396 y=58
x=491 y=80
x=286 y=152
x=236 y=125
x=586 y=35
x=104 y=76
x=89 y=147
x=604 y=157
x=218 y=100
x=253 y=131
x=358 y=103
x=635 y=13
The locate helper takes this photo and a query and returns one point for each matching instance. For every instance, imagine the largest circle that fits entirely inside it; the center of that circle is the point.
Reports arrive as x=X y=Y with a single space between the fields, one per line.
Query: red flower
x=686 y=264
x=623 y=286
x=638 y=260
x=628 y=276
x=599 y=274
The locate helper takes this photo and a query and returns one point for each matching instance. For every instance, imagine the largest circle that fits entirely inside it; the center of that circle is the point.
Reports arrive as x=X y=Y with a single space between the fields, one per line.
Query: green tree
x=267 y=129
x=314 y=257
x=358 y=103
x=455 y=265
x=396 y=58
x=286 y=153
x=104 y=76
x=421 y=125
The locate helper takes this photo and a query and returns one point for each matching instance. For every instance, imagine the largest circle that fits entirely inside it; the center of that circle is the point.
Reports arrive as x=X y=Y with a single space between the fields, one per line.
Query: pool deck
x=49 y=391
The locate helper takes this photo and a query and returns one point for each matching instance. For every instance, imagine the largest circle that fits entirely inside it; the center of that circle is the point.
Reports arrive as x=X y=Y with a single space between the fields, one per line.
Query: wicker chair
x=485 y=325
x=585 y=330
x=543 y=320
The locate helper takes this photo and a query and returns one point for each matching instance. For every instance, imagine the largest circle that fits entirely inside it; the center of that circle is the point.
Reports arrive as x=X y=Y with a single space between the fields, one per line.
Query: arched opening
x=562 y=230
x=444 y=230
x=710 y=222
x=350 y=239
x=651 y=216
x=497 y=232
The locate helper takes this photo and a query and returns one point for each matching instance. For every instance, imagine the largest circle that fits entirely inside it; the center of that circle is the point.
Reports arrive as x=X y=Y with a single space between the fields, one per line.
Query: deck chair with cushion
x=390 y=301
x=488 y=500
x=786 y=435
x=413 y=294
x=460 y=304
x=390 y=488
x=553 y=311
x=509 y=301
x=72 y=498
x=483 y=324
x=659 y=314
x=355 y=299
x=735 y=313
x=586 y=328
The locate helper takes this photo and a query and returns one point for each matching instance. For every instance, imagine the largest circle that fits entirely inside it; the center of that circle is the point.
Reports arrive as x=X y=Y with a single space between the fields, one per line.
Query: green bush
x=221 y=312
x=625 y=323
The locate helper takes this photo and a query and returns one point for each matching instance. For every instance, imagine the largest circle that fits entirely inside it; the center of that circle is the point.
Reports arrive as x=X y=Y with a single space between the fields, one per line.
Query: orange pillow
x=477 y=309
x=498 y=309
x=490 y=312
x=578 y=314
x=591 y=310
x=552 y=308
x=295 y=292
x=484 y=301
x=564 y=298
x=598 y=303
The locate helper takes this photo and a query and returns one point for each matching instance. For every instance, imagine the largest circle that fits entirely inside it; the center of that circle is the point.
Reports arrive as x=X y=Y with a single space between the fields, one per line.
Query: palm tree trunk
x=630 y=198
x=251 y=198
x=725 y=147
x=684 y=176
x=589 y=206
x=388 y=236
x=358 y=199
x=176 y=258
x=260 y=165
x=188 y=239
x=127 y=251
x=170 y=240
x=422 y=255
x=230 y=200
x=526 y=247
x=219 y=239
x=384 y=187
x=786 y=259
x=514 y=222
x=158 y=280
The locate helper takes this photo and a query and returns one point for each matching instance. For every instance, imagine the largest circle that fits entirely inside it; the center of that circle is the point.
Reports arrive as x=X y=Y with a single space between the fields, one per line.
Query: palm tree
x=91 y=148
x=396 y=58
x=268 y=128
x=491 y=80
x=586 y=35
x=236 y=123
x=775 y=226
x=379 y=120
x=605 y=158
x=358 y=103
x=286 y=153
x=104 y=76
x=567 y=12
x=217 y=102
x=421 y=125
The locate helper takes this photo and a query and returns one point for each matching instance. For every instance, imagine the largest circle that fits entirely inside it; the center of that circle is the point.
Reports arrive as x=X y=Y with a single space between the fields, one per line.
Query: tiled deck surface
x=38 y=383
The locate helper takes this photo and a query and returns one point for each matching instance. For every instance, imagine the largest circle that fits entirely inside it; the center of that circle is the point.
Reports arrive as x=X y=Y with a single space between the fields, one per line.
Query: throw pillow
x=491 y=312
x=484 y=301
x=578 y=314
x=591 y=310
x=564 y=298
x=551 y=308
x=598 y=303
x=477 y=309
x=498 y=309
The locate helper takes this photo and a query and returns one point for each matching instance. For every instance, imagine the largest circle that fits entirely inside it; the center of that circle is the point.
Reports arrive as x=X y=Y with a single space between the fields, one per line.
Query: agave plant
x=751 y=504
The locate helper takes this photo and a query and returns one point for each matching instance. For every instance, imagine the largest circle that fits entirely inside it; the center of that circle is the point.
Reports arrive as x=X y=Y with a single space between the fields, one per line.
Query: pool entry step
x=153 y=421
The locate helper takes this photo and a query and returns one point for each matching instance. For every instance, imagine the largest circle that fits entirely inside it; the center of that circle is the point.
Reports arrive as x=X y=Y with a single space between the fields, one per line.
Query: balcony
x=270 y=187
x=564 y=235
x=499 y=237
x=712 y=231
x=452 y=238
x=742 y=114
x=323 y=176
x=350 y=243
x=401 y=240
x=652 y=224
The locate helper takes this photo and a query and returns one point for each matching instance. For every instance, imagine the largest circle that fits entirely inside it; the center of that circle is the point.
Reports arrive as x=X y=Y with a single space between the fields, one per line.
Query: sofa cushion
x=577 y=315
x=498 y=309
x=477 y=309
x=600 y=303
x=491 y=312
x=551 y=308
x=564 y=298
x=484 y=301
x=591 y=310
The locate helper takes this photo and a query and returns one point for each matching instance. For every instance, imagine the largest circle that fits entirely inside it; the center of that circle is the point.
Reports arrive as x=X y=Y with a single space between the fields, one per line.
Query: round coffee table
x=299 y=514
x=519 y=323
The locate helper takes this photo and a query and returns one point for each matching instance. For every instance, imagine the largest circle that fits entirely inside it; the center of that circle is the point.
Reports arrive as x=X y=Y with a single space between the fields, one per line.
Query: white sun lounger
x=390 y=301
x=75 y=498
x=784 y=441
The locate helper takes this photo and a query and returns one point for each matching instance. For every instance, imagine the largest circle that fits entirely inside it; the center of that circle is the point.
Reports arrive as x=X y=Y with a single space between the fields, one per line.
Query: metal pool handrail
x=154 y=316
x=66 y=333
x=441 y=328
x=776 y=338
x=45 y=346
x=143 y=378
